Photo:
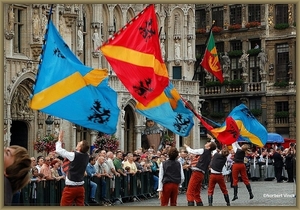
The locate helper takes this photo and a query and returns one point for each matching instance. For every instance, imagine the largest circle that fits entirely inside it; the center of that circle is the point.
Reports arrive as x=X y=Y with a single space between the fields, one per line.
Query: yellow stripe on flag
x=161 y=99
x=135 y=57
x=95 y=77
x=244 y=132
x=66 y=87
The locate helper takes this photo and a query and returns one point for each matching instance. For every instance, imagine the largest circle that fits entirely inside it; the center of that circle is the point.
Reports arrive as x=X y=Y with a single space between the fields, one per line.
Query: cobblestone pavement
x=266 y=193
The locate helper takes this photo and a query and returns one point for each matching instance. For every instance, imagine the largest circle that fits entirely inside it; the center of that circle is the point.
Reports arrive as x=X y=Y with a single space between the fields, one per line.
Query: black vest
x=204 y=160
x=77 y=167
x=239 y=156
x=217 y=162
x=172 y=172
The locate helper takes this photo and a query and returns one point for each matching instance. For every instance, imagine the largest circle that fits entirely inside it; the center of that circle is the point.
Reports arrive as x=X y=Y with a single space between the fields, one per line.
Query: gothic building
x=84 y=27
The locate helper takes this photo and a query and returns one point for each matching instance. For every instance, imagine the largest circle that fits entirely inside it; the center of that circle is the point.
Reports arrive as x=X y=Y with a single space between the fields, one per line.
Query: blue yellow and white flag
x=68 y=89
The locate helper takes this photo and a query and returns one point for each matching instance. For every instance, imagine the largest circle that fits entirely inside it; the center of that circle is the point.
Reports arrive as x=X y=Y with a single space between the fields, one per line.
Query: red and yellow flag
x=210 y=59
x=135 y=56
x=227 y=134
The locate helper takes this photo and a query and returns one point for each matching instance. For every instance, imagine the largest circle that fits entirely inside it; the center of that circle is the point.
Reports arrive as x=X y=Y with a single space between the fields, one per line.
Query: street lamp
x=49 y=121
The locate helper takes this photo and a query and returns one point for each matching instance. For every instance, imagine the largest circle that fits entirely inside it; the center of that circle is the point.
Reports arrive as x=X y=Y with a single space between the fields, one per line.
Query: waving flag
x=210 y=60
x=251 y=130
x=169 y=111
x=70 y=90
x=226 y=134
x=135 y=56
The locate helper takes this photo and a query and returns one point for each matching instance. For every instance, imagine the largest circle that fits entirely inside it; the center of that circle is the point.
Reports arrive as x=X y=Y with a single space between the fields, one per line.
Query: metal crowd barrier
x=139 y=186
x=48 y=193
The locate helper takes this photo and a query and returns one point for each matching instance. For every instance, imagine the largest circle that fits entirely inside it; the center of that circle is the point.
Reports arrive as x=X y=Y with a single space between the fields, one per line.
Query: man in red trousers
x=195 y=182
x=73 y=191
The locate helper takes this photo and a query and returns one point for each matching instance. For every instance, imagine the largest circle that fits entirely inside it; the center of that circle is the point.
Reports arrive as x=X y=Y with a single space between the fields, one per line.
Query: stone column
x=177 y=140
x=73 y=143
x=93 y=134
x=122 y=137
x=138 y=137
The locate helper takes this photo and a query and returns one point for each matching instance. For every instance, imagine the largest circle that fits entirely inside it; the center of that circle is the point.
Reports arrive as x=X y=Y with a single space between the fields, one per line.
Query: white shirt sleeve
x=195 y=151
x=214 y=152
x=160 y=177
x=64 y=153
x=235 y=146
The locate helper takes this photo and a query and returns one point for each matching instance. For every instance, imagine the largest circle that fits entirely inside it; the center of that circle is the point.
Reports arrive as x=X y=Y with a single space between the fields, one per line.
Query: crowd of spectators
x=110 y=164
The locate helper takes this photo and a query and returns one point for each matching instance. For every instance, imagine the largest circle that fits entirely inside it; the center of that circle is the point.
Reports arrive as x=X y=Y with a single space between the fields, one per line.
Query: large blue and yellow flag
x=250 y=128
x=169 y=111
x=68 y=89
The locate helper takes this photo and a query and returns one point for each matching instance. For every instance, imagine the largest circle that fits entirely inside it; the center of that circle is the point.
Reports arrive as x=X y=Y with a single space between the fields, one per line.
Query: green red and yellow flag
x=210 y=59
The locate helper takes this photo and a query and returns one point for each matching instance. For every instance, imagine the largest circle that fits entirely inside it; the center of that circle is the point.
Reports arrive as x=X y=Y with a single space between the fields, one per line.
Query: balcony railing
x=254 y=87
x=182 y=86
x=281 y=120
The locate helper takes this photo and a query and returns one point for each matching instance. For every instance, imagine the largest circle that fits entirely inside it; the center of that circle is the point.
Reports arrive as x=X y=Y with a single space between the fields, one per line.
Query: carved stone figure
x=226 y=62
x=177 y=50
x=36 y=25
x=122 y=115
x=14 y=103
x=44 y=22
x=11 y=19
x=96 y=39
x=244 y=61
x=80 y=39
x=263 y=58
x=62 y=25
x=189 y=50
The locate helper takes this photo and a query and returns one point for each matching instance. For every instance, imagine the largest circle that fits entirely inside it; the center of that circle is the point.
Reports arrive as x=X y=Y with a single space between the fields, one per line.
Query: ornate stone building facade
x=84 y=27
x=266 y=83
